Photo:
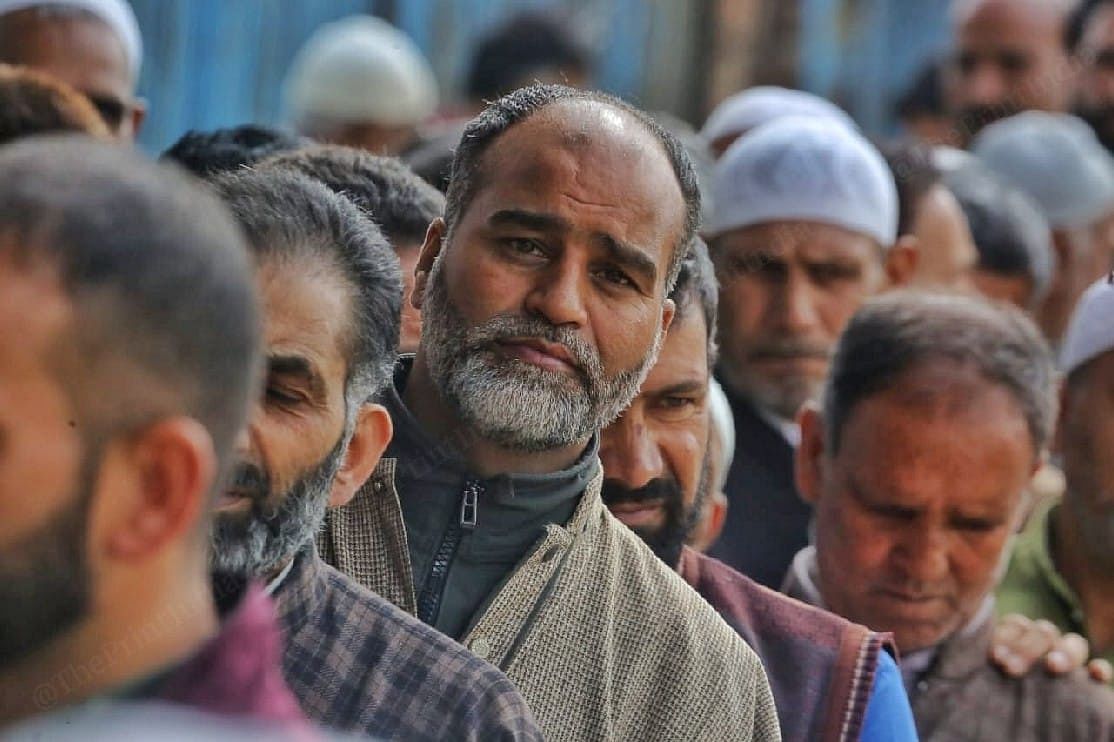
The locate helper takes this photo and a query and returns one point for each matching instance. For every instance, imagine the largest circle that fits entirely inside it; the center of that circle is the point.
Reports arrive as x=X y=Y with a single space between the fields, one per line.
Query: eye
x=525 y=246
x=675 y=408
x=276 y=394
x=974 y=525
x=615 y=276
x=823 y=273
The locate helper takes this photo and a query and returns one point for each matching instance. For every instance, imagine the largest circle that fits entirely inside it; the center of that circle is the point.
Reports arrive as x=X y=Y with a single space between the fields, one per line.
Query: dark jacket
x=963 y=697
x=821 y=667
x=767 y=521
x=357 y=663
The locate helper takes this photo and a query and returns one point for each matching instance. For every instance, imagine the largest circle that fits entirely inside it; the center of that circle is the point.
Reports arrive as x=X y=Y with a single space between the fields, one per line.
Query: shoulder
x=412 y=645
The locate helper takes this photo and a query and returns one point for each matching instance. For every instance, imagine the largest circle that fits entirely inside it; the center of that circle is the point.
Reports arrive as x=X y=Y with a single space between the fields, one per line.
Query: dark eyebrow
x=299 y=368
x=528 y=219
x=682 y=387
x=630 y=257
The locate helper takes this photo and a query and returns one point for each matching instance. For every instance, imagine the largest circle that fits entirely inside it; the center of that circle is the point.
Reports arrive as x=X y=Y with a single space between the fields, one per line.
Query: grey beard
x=258 y=542
x=515 y=404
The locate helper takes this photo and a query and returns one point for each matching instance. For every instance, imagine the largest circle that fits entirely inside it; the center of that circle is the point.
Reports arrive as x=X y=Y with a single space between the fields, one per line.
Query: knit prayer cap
x=361 y=69
x=1091 y=331
x=805 y=170
x=1056 y=160
x=752 y=108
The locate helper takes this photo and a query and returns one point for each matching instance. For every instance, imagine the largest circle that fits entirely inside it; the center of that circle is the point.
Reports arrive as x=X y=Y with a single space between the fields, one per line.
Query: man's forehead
x=306 y=306
x=1045 y=14
x=79 y=49
x=805 y=236
x=683 y=359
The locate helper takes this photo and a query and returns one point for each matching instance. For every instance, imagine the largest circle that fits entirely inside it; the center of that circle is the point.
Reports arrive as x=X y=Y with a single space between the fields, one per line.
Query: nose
x=922 y=555
x=629 y=453
x=984 y=85
x=559 y=294
x=796 y=305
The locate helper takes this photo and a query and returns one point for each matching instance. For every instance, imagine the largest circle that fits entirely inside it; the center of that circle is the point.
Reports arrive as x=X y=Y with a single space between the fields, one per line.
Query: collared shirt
x=510 y=514
x=357 y=663
x=1034 y=587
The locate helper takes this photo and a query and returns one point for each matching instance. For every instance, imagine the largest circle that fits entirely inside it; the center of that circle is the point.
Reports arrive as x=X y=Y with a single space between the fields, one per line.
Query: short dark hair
x=893 y=334
x=523 y=103
x=206 y=153
x=432 y=160
x=400 y=202
x=289 y=215
x=915 y=175
x=696 y=287
x=158 y=275
x=525 y=43
x=1011 y=236
x=35 y=103
x=1077 y=22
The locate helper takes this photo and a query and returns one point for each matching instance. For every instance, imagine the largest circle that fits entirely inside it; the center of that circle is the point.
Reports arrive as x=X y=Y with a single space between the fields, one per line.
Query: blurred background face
x=787 y=289
x=1086 y=443
x=1096 y=74
x=916 y=507
x=1008 y=57
x=946 y=254
x=296 y=439
x=82 y=52
x=46 y=473
x=654 y=456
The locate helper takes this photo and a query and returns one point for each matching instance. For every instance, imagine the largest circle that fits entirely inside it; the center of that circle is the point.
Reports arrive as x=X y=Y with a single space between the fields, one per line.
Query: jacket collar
x=299 y=595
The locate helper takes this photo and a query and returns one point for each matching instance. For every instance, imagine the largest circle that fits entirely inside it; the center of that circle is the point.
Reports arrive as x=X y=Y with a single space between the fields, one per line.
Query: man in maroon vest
x=823 y=669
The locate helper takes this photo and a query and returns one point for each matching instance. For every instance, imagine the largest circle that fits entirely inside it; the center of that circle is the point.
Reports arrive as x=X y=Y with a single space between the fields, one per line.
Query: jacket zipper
x=429 y=602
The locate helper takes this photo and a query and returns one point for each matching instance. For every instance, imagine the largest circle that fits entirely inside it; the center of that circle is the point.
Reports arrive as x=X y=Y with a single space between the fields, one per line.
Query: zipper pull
x=470 y=505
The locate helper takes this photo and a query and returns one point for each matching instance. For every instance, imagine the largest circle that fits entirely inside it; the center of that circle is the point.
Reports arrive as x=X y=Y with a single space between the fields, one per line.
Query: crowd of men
x=555 y=420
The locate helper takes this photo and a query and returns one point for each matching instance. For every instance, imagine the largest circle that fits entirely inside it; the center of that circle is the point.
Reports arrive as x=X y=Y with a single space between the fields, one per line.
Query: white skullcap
x=1091 y=331
x=361 y=69
x=1056 y=160
x=751 y=108
x=723 y=420
x=805 y=170
x=116 y=14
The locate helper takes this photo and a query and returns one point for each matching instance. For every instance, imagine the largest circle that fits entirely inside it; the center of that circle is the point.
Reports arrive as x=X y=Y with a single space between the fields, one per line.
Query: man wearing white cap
x=802 y=232
x=1059 y=163
x=745 y=111
x=1062 y=568
x=92 y=45
x=363 y=83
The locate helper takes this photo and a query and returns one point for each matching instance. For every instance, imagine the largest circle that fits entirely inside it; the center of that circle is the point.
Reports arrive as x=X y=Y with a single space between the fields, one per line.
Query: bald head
x=573 y=119
x=1009 y=56
x=81 y=50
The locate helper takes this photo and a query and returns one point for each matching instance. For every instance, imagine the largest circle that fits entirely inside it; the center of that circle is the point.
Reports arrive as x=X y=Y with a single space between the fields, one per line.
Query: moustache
x=666 y=490
x=503 y=328
x=792 y=349
x=251 y=481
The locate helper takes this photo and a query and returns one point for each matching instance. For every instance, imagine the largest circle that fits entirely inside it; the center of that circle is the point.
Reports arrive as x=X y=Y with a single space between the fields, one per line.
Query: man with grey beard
x=330 y=291
x=544 y=300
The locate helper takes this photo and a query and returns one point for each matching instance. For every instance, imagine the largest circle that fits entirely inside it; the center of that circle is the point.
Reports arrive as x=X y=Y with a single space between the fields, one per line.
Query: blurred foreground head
x=128 y=358
x=34 y=103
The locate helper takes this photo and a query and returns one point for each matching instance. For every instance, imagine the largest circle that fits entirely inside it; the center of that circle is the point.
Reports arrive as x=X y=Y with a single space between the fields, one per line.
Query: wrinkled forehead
x=1048 y=15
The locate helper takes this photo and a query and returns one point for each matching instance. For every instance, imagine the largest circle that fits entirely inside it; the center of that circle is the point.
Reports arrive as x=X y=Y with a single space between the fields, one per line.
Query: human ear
x=901 y=261
x=431 y=248
x=160 y=481
x=809 y=455
x=369 y=439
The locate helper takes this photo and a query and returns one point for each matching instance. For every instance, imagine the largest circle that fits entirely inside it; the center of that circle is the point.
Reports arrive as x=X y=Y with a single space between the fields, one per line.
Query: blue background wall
x=215 y=63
